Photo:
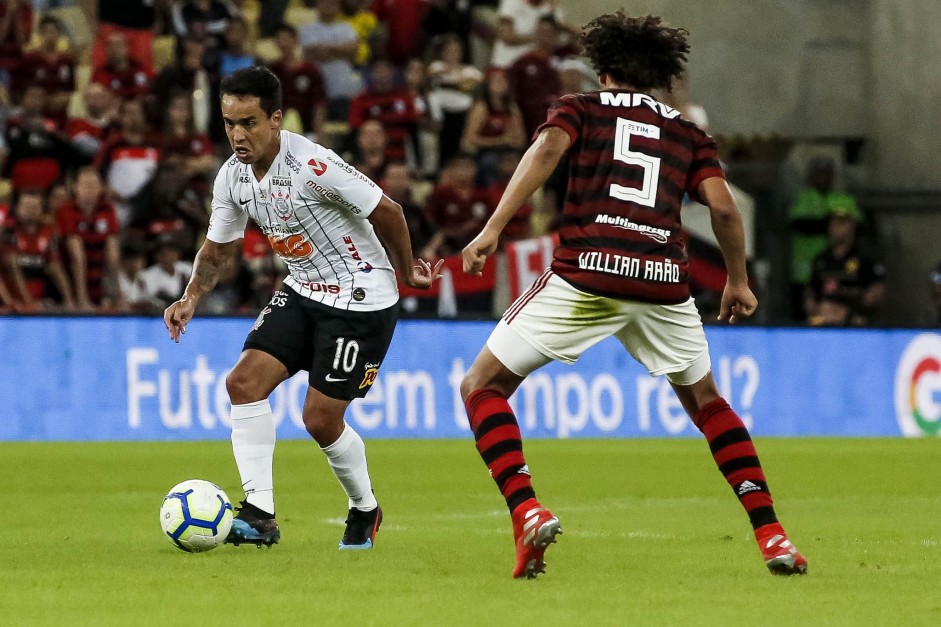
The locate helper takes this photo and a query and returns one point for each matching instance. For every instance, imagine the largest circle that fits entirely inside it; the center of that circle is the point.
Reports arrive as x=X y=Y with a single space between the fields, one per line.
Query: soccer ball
x=196 y=515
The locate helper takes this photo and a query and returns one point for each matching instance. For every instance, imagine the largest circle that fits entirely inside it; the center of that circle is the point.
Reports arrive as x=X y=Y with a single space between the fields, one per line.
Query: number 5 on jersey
x=646 y=195
x=292 y=247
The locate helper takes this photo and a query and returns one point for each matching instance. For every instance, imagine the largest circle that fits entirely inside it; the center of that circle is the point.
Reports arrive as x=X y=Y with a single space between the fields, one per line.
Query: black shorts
x=341 y=350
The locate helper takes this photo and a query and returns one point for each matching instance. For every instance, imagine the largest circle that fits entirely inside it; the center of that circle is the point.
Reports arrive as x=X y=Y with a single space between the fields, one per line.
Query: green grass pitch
x=652 y=536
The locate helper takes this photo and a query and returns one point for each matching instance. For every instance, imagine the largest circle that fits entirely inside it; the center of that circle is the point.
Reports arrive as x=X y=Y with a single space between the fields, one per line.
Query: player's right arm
x=222 y=246
x=211 y=262
x=533 y=171
x=737 y=298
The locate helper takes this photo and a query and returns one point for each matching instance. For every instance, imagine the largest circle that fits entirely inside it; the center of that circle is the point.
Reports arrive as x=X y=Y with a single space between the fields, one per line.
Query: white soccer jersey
x=312 y=206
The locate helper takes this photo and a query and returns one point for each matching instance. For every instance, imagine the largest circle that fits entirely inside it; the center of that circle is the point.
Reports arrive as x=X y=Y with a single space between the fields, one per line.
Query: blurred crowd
x=109 y=148
x=110 y=136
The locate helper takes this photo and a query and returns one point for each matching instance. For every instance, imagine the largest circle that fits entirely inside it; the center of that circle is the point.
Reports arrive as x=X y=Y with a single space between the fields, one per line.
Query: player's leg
x=273 y=351
x=251 y=381
x=346 y=455
x=485 y=390
x=732 y=448
x=669 y=339
x=349 y=348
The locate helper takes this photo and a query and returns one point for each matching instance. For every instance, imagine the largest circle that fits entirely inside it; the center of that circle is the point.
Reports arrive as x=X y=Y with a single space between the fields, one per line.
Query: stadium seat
x=76 y=108
x=267 y=50
x=78 y=27
x=298 y=15
x=164 y=52
x=292 y=121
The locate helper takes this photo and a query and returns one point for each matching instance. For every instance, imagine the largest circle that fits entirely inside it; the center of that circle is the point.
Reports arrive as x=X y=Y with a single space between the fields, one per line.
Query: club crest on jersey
x=260 y=320
x=282 y=207
x=370 y=376
x=317 y=166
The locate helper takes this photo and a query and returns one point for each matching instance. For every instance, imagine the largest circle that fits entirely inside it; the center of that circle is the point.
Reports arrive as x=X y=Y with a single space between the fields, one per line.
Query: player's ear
x=276 y=119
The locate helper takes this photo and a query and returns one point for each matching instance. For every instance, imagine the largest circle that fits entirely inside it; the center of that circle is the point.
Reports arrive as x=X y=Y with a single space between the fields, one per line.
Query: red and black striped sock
x=500 y=444
x=737 y=459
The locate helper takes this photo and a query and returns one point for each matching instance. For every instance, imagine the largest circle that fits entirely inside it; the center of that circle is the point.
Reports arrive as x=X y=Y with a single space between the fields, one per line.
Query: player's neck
x=609 y=84
x=260 y=167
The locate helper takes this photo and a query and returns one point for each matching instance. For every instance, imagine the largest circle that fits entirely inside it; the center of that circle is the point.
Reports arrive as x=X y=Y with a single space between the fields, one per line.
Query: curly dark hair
x=636 y=51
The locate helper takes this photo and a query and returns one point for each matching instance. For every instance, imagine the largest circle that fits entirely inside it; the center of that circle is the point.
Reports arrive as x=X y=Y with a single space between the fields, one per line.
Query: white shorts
x=554 y=321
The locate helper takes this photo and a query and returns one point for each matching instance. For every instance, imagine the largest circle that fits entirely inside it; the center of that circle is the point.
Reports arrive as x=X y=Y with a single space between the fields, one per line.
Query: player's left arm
x=389 y=222
x=738 y=301
x=533 y=171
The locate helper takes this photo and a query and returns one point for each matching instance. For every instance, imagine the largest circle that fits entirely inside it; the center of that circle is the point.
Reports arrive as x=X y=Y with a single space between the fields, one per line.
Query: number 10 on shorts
x=345 y=357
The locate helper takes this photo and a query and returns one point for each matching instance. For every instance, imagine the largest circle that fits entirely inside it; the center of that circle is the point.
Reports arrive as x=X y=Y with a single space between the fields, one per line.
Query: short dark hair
x=257 y=81
x=48 y=19
x=636 y=51
x=284 y=27
x=549 y=19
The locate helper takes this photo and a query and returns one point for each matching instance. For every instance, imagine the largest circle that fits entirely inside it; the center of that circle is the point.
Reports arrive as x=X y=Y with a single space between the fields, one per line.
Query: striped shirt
x=312 y=206
x=631 y=162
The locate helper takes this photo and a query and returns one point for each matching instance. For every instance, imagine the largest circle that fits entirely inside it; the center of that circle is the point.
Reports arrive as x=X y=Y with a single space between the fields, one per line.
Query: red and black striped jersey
x=94 y=228
x=631 y=162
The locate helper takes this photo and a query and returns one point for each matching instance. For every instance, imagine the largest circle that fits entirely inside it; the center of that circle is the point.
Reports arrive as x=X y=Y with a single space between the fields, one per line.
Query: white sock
x=347 y=458
x=253 y=439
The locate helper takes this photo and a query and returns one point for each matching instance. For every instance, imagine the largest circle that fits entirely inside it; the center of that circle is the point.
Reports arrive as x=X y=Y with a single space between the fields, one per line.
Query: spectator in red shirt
x=89 y=227
x=403 y=22
x=301 y=82
x=535 y=79
x=129 y=159
x=16 y=25
x=87 y=133
x=120 y=72
x=457 y=208
x=135 y=20
x=493 y=124
x=518 y=227
x=183 y=147
x=51 y=68
x=6 y=298
x=391 y=105
x=31 y=257
x=38 y=156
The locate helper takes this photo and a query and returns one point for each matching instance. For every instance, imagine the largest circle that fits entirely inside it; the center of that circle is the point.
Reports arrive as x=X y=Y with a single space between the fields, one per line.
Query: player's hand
x=177 y=316
x=738 y=302
x=476 y=253
x=423 y=275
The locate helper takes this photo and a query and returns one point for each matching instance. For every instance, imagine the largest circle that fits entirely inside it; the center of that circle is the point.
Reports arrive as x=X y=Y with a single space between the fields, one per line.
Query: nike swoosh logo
x=244 y=202
x=333 y=379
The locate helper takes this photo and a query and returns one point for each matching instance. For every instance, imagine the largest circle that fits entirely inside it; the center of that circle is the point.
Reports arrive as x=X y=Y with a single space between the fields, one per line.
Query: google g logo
x=918 y=387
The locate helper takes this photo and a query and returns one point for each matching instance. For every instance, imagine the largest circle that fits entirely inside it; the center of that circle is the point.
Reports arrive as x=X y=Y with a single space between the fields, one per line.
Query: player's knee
x=475 y=380
x=468 y=385
x=323 y=427
x=314 y=423
x=239 y=385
